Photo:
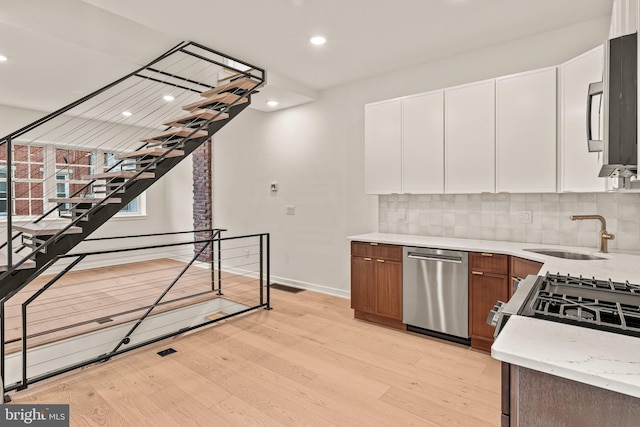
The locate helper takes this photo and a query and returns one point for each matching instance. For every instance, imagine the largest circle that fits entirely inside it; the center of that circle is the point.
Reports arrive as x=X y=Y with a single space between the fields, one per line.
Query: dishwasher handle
x=435 y=257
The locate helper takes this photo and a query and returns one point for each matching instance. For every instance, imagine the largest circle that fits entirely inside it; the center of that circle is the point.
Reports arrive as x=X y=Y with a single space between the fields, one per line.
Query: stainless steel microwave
x=612 y=109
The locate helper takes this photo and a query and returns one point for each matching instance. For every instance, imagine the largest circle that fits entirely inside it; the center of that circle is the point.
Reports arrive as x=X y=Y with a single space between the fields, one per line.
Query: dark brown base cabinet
x=535 y=399
x=520 y=268
x=376 y=283
x=491 y=279
x=376 y=286
x=488 y=283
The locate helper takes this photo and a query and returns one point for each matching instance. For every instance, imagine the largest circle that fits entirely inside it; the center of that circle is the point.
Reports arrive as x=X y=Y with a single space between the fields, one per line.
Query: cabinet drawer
x=489 y=263
x=376 y=250
x=521 y=268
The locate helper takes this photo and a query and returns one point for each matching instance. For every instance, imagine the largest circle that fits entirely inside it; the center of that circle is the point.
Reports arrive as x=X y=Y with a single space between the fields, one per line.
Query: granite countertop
x=602 y=359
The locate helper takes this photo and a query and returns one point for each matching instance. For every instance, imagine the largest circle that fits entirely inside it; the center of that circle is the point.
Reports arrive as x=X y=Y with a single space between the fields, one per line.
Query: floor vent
x=166 y=352
x=286 y=288
x=104 y=320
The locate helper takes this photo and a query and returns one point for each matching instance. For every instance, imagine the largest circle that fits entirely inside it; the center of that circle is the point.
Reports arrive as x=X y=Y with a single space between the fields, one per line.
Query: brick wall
x=202 y=218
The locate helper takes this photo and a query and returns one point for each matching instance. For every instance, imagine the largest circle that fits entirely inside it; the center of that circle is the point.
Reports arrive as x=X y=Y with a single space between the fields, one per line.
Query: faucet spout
x=604 y=235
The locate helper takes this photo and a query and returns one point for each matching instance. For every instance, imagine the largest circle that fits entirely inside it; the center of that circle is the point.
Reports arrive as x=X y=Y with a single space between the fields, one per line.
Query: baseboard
x=312 y=287
x=293 y=283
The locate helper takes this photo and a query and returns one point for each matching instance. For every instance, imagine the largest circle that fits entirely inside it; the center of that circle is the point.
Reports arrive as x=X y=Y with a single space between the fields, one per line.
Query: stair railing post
x=268 y=307
x=219 y=247
x=9 y=205
x=261 y=271
x=2 y=352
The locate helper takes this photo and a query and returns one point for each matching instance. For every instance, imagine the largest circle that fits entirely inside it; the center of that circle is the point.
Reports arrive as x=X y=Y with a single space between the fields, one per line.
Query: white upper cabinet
x=578 y=167
x=423 y=143
x=383 y=147
x=470 y=138
x=526 y=132
x=624 y=18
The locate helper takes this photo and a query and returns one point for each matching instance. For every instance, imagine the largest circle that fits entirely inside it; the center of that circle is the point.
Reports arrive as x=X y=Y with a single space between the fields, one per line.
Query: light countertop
x=602 y=359
x=615 y=266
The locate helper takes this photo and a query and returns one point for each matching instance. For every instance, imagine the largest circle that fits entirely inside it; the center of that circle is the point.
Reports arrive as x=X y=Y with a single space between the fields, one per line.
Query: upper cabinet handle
x=486 y=254
x=373 y=244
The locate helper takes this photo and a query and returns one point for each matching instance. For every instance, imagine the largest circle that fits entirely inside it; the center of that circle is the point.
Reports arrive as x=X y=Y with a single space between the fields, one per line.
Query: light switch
x=291 y=209
x=274 y=186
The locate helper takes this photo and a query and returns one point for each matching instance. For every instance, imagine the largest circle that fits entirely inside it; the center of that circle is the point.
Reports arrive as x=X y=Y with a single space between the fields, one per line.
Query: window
x=110 y=160
x=28 y=180
x=71 y=166
x=43 y=172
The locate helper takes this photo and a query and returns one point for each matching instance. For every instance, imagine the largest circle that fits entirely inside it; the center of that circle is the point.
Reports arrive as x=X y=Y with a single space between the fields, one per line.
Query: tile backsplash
x=501 y=217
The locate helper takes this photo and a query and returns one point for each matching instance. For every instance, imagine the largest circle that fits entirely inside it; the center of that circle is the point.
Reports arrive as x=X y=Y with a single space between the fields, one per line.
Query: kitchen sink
x=565 y=254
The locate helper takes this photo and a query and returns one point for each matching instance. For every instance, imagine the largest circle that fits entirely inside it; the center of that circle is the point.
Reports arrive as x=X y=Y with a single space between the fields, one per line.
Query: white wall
x=316 y=154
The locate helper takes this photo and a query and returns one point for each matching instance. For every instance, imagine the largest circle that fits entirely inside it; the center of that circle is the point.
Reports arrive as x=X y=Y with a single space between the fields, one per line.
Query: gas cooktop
x=598 y=304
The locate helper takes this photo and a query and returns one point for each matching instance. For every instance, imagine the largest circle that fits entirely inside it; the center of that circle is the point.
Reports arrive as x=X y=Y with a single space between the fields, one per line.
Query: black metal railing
x=234 y=281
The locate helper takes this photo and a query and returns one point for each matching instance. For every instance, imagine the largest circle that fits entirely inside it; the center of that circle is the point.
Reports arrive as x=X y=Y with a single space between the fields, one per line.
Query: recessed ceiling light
x=318 y=40
x=127 y=113
x=272 y=103
x=168 y=98
x=3 y=58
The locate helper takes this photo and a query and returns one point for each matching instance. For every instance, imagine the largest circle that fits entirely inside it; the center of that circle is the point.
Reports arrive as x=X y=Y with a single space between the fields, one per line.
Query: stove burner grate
x=599 y=304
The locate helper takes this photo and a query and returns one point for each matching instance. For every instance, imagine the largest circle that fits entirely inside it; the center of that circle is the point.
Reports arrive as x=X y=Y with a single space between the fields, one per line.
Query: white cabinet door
x=578 y=167
x=624 y=18
x=526 y=132
x=423 y=143
x=383 y=147
x=470 y=138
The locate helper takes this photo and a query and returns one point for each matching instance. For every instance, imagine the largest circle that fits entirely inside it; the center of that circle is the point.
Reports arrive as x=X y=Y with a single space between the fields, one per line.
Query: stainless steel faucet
x=604 y=235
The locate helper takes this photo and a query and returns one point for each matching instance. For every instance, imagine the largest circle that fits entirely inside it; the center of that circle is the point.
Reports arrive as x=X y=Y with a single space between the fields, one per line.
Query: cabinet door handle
x=367 y=259
x=486 y=254
x=514 y=278
x=380 y=260
x=373 y=244
x=477 y=273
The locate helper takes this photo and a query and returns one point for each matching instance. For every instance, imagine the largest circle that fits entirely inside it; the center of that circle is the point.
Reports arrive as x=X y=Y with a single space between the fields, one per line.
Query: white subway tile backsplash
x=498 y=217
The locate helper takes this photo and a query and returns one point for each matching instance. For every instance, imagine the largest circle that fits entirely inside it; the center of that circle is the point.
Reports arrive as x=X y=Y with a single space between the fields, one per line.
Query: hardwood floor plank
x=307 y=362
x=237 y=413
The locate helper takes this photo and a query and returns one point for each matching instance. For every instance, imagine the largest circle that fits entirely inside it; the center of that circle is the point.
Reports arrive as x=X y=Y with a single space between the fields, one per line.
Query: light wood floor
x=82 y=300
x=305 y=363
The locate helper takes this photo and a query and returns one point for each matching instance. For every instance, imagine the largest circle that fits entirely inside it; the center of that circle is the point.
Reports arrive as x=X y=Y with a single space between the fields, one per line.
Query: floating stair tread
x=120 y=174
x=86 y=200
x=244 y=83
x=39 y=229
x=220 y=98
x=156 y=151
x=202 y=114
x=15 y=258
x=181 y=132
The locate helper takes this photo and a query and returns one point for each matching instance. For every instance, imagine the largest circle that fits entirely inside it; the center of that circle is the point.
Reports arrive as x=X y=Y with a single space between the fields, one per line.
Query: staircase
x=34 y=246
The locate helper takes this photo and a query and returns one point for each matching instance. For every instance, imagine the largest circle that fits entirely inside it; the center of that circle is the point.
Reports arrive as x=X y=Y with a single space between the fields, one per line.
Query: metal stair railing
x=194 y=50
x=239 y=299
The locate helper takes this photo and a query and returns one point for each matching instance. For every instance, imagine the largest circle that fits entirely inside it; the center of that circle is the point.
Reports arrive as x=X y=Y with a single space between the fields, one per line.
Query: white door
x=470 y=138
x=526 y=132
x=383 y=147
x=423 y=143
x=578 y=167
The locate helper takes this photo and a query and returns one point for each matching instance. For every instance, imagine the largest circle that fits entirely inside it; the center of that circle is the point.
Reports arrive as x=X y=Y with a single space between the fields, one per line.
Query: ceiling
x=60 y=50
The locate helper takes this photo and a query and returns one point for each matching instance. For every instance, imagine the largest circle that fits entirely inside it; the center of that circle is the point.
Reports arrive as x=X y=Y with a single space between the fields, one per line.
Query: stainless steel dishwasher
x=435 y=292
